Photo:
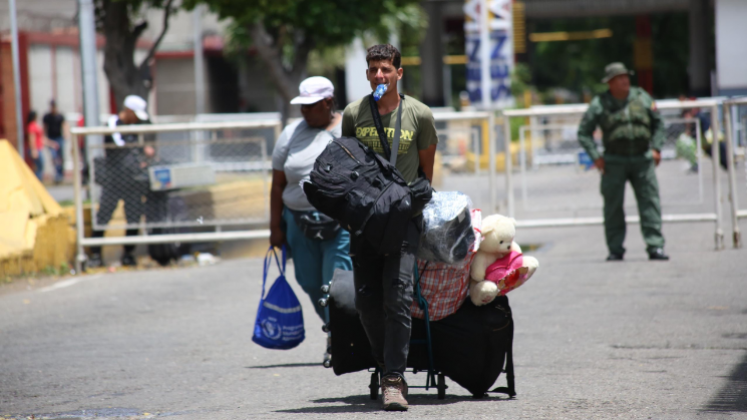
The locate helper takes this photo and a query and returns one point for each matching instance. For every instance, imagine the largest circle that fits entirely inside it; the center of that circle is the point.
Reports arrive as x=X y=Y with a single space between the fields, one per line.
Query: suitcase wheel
x=441 y=386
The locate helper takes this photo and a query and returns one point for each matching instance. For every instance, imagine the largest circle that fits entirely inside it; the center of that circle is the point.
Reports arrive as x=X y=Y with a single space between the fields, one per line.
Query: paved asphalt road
x=594 y=340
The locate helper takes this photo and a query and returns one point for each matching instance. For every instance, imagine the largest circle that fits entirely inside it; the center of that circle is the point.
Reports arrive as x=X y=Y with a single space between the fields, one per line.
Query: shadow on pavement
x=285 y=365
x=732 y=397
x=363 y=403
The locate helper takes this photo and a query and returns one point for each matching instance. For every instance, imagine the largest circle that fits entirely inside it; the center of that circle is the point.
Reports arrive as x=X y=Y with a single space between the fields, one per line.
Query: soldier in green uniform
x=632 y=136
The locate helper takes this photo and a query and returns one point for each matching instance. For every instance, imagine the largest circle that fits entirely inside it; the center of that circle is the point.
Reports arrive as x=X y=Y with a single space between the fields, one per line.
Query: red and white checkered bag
x=445 y=286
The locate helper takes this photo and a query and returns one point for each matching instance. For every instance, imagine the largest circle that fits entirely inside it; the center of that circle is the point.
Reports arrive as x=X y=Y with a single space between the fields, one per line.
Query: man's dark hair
x=384 y=52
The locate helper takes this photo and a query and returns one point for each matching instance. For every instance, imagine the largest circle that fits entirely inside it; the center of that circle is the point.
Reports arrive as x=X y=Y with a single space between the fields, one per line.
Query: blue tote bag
x=279 y=323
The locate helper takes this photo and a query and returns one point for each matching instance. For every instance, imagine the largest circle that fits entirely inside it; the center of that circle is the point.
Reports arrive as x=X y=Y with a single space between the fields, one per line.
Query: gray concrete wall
x=552 y=9
x=731 y=53
x=256 y=91
x=431 y=55
x=179 y=36
x=175 y=87
x=39 y=15
x=700 y=60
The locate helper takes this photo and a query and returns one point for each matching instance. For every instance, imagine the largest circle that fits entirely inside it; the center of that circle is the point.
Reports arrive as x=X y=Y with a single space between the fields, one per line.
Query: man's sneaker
x=128 y=260
x=394 y=391
x=614 y=257
x=658 y=254
x=94 y=261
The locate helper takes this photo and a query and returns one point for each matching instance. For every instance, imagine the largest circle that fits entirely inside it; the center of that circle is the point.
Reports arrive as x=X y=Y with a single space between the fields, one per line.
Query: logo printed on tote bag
x=271 y=329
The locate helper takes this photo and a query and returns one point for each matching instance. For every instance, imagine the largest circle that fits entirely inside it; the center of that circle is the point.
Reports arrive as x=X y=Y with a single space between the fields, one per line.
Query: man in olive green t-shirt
x=384 y=283
x=417 y=143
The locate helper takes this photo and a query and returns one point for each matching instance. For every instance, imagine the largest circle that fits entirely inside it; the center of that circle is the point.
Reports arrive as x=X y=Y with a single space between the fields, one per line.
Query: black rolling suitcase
x=472 y=346
x=475 y=345
x=167 y=207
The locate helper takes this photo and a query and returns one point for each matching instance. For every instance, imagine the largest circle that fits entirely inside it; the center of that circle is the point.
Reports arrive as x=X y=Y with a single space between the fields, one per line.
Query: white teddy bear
x=498 y=266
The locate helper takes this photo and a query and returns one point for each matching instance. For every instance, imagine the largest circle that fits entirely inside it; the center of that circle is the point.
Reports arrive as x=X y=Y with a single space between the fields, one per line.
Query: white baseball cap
x=313 y=90
x=137 y=105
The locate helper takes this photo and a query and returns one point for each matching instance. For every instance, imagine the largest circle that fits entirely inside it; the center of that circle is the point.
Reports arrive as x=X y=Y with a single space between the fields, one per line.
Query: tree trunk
x=286 y=80
x=125 y=77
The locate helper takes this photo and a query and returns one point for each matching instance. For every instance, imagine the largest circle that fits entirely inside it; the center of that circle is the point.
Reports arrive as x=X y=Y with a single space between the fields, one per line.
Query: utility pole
x=199 y=61
x=16 y=77
x=485 y=85
x=87 y=31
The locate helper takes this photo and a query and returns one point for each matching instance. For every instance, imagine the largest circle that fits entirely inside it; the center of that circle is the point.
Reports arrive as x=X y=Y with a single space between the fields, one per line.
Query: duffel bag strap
x=392 y=157
x=397 y=132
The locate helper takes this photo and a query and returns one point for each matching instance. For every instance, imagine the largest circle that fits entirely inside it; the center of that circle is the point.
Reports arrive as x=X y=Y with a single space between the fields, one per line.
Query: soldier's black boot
x=658 y=255
x=128 y=260
x=614 y=257
x=94 y=261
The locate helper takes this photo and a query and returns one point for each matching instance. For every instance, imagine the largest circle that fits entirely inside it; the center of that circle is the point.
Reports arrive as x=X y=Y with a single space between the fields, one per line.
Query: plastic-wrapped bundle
x=447 y=234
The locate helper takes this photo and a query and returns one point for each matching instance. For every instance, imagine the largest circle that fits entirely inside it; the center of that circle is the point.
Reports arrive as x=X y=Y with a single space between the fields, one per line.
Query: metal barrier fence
x=554 y=150
x=177 y=177
x=561 y=147
x=215 y=174
x=198 y=174
x=735 y=133
x=482 y=141
x=462 y=135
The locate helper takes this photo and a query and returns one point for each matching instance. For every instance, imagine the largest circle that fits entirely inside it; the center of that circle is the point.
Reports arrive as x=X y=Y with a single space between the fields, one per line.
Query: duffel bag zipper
x=503 y=327
x=349 y=153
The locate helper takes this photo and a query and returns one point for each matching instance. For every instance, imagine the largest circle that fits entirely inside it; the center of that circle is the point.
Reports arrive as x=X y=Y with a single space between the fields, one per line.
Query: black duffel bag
x=364 y=191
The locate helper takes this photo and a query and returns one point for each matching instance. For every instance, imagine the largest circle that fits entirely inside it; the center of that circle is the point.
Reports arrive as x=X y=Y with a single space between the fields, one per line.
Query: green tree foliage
x=579 y=65
x=671 y=47
x=285 y=32
x=122 y=22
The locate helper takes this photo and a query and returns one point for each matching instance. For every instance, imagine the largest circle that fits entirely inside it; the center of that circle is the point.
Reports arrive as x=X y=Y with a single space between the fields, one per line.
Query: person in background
x=632 y=135
x=317 y=250
x=37 y=141
x=125 y=176
x=686 y=144
x=54 y=124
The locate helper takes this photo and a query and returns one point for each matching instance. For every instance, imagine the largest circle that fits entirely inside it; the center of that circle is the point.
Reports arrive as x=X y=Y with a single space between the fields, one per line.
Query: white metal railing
x=188 y=126
x=731 y=138
x=202 y=126
x=569 y=155
x=472 y=140
x=538 y=111
x=192 y=127
x=481 y=116
x=490 y=117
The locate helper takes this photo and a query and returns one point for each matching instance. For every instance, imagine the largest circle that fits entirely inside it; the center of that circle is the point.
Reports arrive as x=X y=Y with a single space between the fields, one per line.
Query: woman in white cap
x=317 y=243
